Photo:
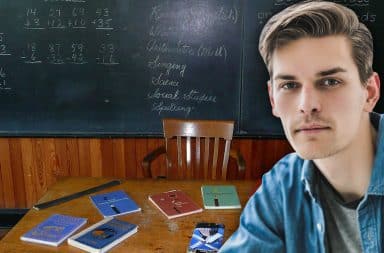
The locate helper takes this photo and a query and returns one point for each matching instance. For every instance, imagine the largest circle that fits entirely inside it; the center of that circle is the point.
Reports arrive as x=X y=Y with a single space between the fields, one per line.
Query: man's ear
x=271 y=98
x=373 y=92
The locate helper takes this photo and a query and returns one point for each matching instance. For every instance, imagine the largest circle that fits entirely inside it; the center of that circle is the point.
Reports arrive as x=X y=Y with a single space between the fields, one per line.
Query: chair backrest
x=196 y=148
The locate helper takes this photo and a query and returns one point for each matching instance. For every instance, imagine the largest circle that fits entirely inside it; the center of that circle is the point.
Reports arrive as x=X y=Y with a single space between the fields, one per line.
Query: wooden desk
x=156 y=233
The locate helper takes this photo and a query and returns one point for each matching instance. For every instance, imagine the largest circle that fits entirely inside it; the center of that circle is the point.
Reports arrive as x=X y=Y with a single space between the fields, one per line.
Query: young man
x=329 y=195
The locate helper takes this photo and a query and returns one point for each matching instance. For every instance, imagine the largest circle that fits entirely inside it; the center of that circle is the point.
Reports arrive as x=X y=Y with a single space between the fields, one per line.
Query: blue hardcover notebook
x=114 y=203
x=206 y=237
x=103 y=235
x=54 y=230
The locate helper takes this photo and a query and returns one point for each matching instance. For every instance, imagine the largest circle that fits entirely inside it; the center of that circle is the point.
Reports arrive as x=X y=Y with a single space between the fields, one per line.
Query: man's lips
x=311 y=129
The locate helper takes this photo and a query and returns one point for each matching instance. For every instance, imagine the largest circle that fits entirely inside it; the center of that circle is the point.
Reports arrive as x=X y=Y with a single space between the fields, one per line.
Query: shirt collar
x=376 y=186
x=309 y=177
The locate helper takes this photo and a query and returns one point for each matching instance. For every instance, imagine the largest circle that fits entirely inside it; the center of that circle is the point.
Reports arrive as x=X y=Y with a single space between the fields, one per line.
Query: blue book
x=54 y=230
x=206 y=237
x=103 y=235
x=114 y=203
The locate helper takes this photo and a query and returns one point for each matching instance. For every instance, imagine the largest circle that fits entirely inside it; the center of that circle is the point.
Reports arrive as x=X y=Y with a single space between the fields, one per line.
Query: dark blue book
x=103 y=235
x=206 y=237
x=114 y=203
x=54 y=230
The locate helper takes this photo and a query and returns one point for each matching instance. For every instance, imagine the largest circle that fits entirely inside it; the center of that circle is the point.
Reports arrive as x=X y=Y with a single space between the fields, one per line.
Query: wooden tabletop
x=156 y=233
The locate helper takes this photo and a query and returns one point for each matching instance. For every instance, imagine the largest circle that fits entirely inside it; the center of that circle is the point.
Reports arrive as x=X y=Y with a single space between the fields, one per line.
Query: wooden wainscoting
x=30 y=165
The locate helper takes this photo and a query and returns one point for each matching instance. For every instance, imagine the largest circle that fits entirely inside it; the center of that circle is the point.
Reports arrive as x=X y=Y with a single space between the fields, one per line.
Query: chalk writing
x=77 y=56
x=161 y=107
x=54 y=18
x=368 y=17
x=158 y=12
x=169 y=21
x=192 y=95
x=78 y=20
x=263 y=16
x=231 y=14
x=55 y=53
x=181 y=48
x=3 y=82
x=76 y=53
x=107 y=54
x=3 y=45
x=168 y=66
x=199 y=97
x=219 y=51
x=198 y=14
x=158 y=30
x=32 y=19
x=157 y=94
x=161 y=81
x=103 y=20
x=31 y=55
x=3 y=85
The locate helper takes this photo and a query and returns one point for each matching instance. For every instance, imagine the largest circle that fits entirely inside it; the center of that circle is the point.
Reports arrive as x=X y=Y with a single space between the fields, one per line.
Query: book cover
x=54 y=230
x=102 y=236
x=114 y=203
x=174 y=203
x=206 y=237
x=220 y=197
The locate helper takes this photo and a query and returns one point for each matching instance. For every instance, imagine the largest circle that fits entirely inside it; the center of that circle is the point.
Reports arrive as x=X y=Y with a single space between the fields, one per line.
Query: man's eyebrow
x=284 y=77
x=326 y=72
x=330 y=71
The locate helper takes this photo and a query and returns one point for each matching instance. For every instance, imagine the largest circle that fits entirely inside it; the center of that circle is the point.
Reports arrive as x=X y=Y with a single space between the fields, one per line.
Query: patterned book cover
x=220 y=197
x=114 y=203
x=174 y=203
x=54 y=230
x=103 y=235
x=206 y=237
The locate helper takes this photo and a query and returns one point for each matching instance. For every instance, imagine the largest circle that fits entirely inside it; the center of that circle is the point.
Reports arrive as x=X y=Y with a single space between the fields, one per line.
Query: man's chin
x=313 y=153
x=309 y=156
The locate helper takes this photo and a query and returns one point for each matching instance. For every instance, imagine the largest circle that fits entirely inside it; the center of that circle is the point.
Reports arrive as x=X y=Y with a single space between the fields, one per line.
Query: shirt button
x=319 y=227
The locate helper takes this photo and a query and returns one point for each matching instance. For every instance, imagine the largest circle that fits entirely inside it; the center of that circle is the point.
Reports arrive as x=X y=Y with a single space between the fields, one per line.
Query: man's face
x=316 y=92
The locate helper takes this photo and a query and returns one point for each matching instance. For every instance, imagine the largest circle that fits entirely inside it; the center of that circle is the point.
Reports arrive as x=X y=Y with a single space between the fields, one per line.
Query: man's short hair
x=315 y=19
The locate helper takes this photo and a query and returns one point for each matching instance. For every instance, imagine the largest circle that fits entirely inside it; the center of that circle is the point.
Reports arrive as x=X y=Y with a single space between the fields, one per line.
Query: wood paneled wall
x=28 y=166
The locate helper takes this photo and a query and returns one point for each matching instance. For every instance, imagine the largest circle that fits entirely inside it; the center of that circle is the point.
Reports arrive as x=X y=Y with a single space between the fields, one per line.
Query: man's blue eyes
x=289 y=86
x=329 y=82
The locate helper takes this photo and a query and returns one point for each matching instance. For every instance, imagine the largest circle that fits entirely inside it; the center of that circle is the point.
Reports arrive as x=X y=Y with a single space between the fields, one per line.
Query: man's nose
x=309 y=100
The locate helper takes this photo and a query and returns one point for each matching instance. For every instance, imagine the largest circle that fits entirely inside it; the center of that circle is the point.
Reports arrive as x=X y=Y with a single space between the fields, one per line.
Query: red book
x=174 y=203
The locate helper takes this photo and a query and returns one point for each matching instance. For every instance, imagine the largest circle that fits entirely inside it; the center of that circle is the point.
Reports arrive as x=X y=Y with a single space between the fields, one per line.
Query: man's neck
x=349 y=171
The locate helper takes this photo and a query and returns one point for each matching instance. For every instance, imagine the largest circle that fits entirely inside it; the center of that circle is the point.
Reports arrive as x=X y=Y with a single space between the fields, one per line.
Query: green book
x=220 y=197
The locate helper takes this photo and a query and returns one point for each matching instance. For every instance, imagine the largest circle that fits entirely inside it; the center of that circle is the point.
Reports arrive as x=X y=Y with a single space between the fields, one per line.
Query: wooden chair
x=195 y=149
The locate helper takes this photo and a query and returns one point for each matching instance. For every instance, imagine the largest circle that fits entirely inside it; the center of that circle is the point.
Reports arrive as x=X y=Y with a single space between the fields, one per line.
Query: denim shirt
x=285 y=215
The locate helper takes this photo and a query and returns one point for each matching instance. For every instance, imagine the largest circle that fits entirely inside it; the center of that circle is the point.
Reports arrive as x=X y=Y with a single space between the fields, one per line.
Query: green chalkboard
x=117 y=67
